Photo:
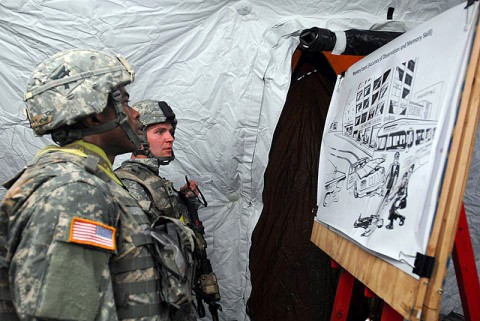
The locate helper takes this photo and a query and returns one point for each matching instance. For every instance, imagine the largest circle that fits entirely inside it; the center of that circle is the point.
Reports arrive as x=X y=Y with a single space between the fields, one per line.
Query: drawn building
x=382 y=99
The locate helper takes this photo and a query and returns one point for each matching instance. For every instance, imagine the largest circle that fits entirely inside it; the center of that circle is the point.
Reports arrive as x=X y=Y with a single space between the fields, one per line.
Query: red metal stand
x=465 y=270
x=342 y=296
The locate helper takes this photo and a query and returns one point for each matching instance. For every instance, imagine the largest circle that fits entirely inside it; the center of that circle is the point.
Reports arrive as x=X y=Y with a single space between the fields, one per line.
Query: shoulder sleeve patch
x=83 y=231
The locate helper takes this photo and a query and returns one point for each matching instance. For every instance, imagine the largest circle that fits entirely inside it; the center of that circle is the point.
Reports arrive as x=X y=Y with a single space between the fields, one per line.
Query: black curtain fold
x=291 y=277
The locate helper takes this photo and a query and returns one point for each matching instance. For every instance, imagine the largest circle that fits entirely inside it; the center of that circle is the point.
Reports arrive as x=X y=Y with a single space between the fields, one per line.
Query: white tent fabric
x=223 y=66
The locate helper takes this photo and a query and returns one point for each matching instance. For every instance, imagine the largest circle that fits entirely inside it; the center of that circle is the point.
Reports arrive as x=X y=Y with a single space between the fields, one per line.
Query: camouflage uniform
x=73 y=243
x=154 y=193
x=165 y=201
x=53 y=276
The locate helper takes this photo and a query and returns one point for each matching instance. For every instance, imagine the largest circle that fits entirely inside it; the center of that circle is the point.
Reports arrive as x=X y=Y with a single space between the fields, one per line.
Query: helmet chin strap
x=166 y=160
x=122 y=120
x=63 y=137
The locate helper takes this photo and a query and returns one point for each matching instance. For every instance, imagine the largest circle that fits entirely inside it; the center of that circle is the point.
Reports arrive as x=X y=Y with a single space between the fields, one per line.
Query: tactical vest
x=160 y=191
x=134 y=276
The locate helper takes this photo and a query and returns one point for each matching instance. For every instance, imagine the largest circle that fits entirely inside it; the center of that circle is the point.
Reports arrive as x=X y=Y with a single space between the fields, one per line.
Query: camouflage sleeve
x=53 y=277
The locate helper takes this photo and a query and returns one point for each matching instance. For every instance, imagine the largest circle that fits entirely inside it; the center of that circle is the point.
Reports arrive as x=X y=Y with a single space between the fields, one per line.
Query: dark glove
x=317 y=39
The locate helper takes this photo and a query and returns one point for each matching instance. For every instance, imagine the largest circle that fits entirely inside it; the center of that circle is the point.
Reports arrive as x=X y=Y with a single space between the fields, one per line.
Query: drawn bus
x=368 y=176
x=404 y=134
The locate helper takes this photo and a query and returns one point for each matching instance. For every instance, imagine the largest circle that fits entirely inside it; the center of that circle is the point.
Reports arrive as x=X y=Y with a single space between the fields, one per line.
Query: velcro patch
x=92 y=233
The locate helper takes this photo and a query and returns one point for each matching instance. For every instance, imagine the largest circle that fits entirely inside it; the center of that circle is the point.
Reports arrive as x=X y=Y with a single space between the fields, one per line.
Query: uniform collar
x=84 y=149
x=151 y=163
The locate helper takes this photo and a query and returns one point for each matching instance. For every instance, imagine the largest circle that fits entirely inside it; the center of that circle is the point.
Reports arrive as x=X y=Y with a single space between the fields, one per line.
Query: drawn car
x=366 y=176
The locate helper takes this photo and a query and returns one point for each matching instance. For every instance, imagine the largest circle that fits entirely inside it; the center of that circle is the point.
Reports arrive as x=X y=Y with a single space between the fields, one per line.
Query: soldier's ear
x=91 y=121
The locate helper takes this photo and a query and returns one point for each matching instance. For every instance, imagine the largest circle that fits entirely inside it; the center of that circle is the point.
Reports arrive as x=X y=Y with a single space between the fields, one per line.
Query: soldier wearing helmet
x=157 y=196
x=72 y=241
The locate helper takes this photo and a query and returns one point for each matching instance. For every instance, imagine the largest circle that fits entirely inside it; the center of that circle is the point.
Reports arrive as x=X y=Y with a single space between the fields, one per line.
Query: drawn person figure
x=70 y=235
x=400 y=201
x=392 y=175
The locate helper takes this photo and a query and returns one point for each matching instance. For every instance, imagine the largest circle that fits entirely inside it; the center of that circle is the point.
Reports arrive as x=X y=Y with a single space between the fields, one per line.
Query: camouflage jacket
x=71 y=241
x=154 y=193
x=157 y=197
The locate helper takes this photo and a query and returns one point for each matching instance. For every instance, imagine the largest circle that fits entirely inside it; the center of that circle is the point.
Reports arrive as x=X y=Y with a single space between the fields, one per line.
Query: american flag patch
x=92 y=233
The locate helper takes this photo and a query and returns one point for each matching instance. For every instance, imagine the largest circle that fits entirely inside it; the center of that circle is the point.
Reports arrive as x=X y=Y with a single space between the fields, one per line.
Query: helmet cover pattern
x=71 y=85
x=155 y=112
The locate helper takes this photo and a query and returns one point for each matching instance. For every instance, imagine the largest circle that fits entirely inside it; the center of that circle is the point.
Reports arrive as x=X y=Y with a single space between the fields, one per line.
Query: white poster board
x=387 y=137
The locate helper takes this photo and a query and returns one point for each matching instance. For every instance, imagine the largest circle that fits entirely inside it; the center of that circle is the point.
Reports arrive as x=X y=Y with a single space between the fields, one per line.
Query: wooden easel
x=403 y=295
x=465 y=270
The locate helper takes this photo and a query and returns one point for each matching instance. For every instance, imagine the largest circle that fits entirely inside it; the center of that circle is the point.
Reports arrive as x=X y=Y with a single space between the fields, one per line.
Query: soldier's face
x=160 y=138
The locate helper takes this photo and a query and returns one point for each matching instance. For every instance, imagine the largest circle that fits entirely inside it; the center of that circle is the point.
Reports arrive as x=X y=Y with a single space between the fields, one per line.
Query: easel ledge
x=394 y=286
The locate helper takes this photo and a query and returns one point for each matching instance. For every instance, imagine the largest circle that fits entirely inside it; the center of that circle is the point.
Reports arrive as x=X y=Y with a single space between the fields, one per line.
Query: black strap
x=128 y=201
x=123 y=290
x=138 y=263
x=142 y=239
x=5 y=294
x=136 y=211
x=138 y=311
x=158 y=184
x=141 y=219
x=8 y=316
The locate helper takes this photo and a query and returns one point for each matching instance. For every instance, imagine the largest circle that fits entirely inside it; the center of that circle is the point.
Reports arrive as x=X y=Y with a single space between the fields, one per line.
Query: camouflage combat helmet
x=72 y=85
x=154 y=112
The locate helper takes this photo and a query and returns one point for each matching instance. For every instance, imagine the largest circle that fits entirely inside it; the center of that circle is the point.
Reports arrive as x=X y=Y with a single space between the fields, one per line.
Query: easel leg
x=465 y=270
x=342 y=297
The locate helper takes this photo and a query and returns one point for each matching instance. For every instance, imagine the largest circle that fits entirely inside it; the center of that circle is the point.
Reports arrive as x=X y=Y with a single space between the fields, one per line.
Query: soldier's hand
x=188 y=190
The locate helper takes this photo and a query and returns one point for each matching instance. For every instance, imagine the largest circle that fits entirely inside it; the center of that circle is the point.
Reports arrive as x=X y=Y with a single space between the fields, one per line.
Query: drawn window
x=380 y=108
x=397 y=140
x=366 y=103
x=366 y=91
x=383 y=91
x=370 y=113
x=400 y=73
x=385 y=75
x=429 y=134
x=408 y=79
x=366 y=136
x=359 y=107
x=357 y=121
x=393 y=107
x=405 y=93
x=364 y=118
x=377 y=82
x=359 y=95
x=411 y=65
x=410 y=138
x=374 y=98
x=381 y=142
x=420 y=137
